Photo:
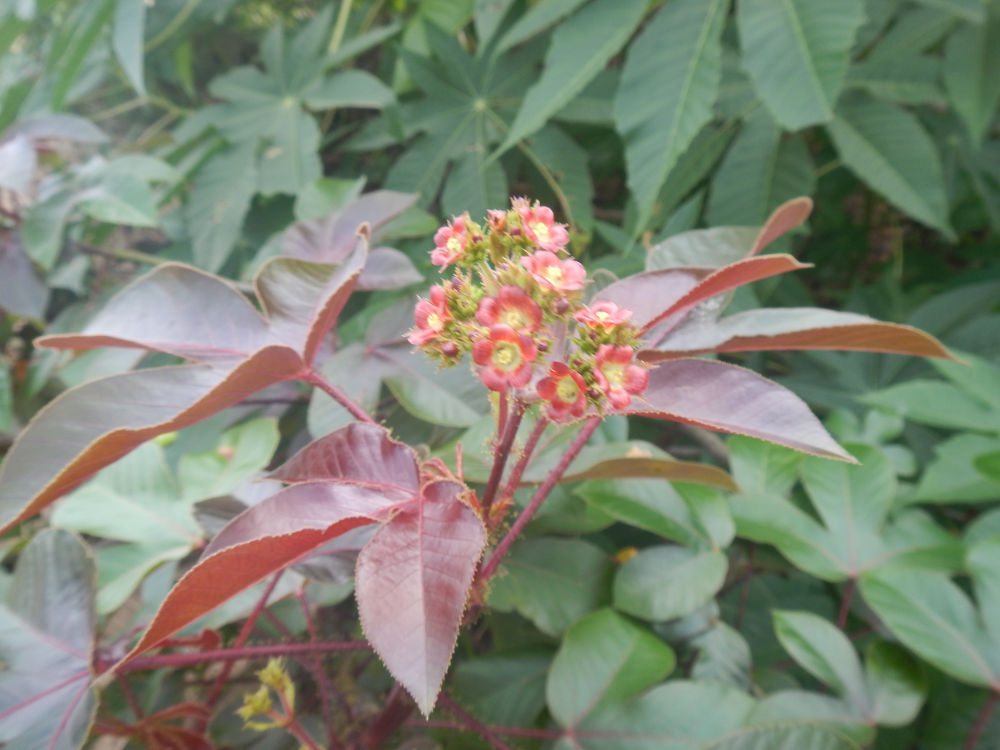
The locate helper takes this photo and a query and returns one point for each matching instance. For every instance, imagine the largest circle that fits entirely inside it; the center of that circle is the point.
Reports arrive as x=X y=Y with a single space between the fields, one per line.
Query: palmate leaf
x=972 y=56
x=235 y=351
x=797 y=52
x=46 y=637
x=669 y=83
x=413 y=575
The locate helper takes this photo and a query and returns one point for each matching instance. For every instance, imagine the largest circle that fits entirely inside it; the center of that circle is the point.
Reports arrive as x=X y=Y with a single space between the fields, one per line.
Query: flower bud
x=542 y=346
x=449 y=349
x=594 y=393
x=561 y=306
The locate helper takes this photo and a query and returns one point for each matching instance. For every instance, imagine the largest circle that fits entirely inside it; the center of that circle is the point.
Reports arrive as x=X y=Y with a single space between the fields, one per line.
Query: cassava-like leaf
x=972 y=57
x=669 y=83
x=797 y=52
x=727 y=398
x=412 y=585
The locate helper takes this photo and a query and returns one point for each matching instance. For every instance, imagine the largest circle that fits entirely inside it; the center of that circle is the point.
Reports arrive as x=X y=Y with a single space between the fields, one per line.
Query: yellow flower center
x=601 y=315
x=615 y=374
x=541 y=231
x=567 y=390
x=513 y=318
x=434 y=322
x=506 y=355
x=453 y=245
x=553 y=274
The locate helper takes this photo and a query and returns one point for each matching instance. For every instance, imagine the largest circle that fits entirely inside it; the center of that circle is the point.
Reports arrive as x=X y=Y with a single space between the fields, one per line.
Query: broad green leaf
x=988 y=464
x=797 y=52
x=665 y=582
x=120 y=199
x=604 y=659
x=978 y=376
x=290 y=157
x=888 y=149
x=692 y=166
x=914 y=31
x=536 y=19
x=937 y=404
x=243 y=452
x=785 y=735
x=981 y=558
x=348 y=88
x=823 y=651
x=452 y=397
x=934 y=617
x=669 y=83
x=972 y=57
x=723 y=656
x=761 y=467
x=581 y=46
x=952 y=476
x=553 y=582
x=807 y=712
x=122 y=568
x=761 y=170
x=566 y=162
x=219 y=201
x=128 y=36
x=487 y=17
x=678 y=715
x=47 y=629
x=897 y=682
x=473 y=185
x=42 y=231
x=970 y=10
x=66 y=63
x=507 y=689
x=906 y=80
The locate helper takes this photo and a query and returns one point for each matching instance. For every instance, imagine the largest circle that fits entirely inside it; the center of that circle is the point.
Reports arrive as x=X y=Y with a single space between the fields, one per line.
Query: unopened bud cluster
x=515 y=302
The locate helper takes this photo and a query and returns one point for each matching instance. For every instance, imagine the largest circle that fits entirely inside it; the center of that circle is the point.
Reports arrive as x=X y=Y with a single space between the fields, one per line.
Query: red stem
x=395 y=711
x=160 y=661
x=982 y=719
x=845 y=603
x=513 y=422
x=524 y=459
x=490 y=567
x=317 y=664
x=312 y=377
x=473 y=724
x=133 y=702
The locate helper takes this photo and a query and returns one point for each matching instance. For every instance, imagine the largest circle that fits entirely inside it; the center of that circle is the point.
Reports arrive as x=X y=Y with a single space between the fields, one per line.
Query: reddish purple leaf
x=388 y=268
x=331 y=239
x=265 y=539
x=357 y=453
x=784 y=218
x=794 y=328
x=727 y=398
x=412 y=586
x=727 y=278
x=648 y=294
x=92 y=425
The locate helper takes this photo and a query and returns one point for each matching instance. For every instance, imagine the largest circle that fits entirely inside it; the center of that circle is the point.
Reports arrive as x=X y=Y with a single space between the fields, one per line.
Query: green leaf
x=933 y=617
x=535 y=20
x=669 y=83
x=507 y=689
x=784 y=737
x=127 y=38
x=723 y=656
x=971 y=61
x=897 y=681
x=46 y=639
x=664 y=582
x=243 y=452
x=452 y=397
x=474 y=186
x=348 y=88
x=42 y=232
x=802 y=711
x=692 y=166
x=952 y=475
x=552 y=582
x=888 y=149
x=759 y=466
x=66 y=62
x=760 y=171
x=797 y=52
x=120 y=199
x=905 y=80
x=970 y=10
x=581 y=47
x=938 y=404
x=219 y=201
x=914 y=31
x=988 y=464
x=566 y=162
x=702 y=248
x=980 y=377
x=823 y=651
x=290 y=158
x=981 y=559
x=604 y=659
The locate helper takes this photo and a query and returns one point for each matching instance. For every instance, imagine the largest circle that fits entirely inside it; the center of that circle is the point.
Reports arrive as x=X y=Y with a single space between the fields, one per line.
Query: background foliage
x=818 y=605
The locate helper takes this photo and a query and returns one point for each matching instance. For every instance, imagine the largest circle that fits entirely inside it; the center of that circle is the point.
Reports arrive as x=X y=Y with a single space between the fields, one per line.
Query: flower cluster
x=515 y=303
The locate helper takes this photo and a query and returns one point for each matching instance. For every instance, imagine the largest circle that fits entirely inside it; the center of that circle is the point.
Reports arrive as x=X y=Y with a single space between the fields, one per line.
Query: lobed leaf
x=412 y=585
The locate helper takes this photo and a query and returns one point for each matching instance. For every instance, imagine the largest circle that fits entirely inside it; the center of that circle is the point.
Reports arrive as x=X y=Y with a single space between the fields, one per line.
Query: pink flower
x=565 y=391
x=552 y=273
x=430 y=317
x=606 y=315
x=540 y=226
x=506 y=357
x=450 y=242
x=617 y=376
x=511 y=307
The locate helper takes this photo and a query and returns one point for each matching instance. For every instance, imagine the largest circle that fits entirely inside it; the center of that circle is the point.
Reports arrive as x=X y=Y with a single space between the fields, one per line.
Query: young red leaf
x=412 y=584
x=360 y=452
x=730 y=399
x=784 y=218
x=795 y=328
x=92 y=425
x=263 y=540
x=727 y=278
x=648 y=294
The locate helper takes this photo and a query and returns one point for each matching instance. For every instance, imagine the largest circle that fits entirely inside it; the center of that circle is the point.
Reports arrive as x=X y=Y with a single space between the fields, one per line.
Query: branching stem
x=159 y=661
x=491 y=565
x=312 y=377
x=506 y=440
x=982 y=720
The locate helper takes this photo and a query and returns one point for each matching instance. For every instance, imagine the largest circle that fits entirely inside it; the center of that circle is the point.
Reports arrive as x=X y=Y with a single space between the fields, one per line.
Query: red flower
x=540 y=226
x=565 y=392
x=511 y=307
x=450 y=242
x=506 y=357
x=606 y=315
x=617 y=376
x=430 y=317
x=552 y=273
